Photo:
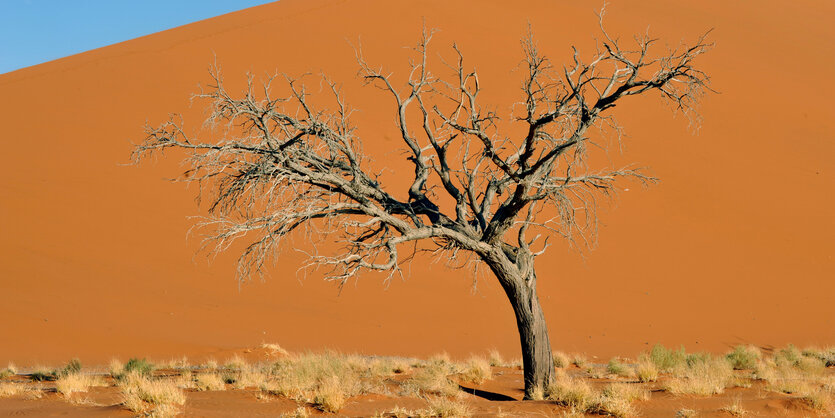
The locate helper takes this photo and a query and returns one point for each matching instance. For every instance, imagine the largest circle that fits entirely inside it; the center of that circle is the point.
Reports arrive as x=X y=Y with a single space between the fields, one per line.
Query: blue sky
x=36 y=31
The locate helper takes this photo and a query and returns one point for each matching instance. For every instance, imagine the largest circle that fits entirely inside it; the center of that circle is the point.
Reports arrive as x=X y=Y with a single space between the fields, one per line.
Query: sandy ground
x=734 y=245
x=499 y=395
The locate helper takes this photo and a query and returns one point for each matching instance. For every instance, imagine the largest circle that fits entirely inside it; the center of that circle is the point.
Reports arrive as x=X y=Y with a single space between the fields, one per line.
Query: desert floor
x=269 y=381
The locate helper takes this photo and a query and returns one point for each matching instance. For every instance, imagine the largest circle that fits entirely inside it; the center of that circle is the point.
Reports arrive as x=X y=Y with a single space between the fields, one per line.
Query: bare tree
x=283 y=163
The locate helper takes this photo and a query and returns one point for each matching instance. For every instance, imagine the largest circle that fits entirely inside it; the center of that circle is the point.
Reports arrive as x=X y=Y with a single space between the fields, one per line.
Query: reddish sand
x=734 y=245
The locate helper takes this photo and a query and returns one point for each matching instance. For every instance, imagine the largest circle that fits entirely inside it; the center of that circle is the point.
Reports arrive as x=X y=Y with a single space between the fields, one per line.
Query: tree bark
x=537 y=359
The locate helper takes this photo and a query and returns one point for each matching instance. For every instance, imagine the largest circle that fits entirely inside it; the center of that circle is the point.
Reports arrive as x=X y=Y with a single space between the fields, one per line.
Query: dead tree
x=284 y=163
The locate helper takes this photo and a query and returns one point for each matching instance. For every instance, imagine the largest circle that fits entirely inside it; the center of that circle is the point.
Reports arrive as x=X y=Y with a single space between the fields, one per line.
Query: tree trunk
x=537 y=359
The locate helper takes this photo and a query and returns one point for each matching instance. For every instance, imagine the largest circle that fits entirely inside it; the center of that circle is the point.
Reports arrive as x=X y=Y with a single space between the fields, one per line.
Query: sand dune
x=734 y=245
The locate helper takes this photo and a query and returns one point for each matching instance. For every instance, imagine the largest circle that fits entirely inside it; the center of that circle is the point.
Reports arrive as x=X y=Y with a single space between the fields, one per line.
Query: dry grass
x=646 y=370
x=686 y=413
x=477 y=370
x=744 y=357
x=735 y=409
x=325 y=380
x=703 y=377
x=185 y=380
x=209 y=381
x=274 y=348
x=496 y=359
x=615 y=400
x=617 y=368
x=77 y=382
x=9 y=371
x=445 y=407
x=561 y=359
x=144 y=394
x=432 y=379
x=9 y=389
x=116 y=368
x=579 y=360
x=329 y=395
x=300 y=412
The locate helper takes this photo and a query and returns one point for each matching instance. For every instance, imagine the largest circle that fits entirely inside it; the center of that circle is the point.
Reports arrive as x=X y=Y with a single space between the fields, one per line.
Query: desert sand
x=734 y=245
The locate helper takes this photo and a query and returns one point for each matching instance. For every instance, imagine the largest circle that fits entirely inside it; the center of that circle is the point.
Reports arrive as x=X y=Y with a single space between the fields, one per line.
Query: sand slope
x=734 y=245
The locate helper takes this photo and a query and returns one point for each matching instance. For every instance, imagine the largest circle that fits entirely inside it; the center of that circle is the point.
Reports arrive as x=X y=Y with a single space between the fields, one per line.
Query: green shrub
x=666 y=359
x=43 y=375
x=140 y=366
x=617 y=368
x=74 y=366
x=788 y=356
x=743 y=357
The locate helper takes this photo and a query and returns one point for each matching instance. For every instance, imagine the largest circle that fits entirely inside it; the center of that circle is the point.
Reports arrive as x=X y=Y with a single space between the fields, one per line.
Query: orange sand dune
x=734 y=245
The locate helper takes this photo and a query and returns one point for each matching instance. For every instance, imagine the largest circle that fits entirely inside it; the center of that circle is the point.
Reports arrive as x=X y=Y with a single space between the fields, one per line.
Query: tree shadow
x=490 y=396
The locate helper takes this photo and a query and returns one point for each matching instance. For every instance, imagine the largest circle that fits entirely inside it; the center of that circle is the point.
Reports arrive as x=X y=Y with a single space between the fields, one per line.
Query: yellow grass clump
x=477 y=370
x=496 y=359
x=274 y=348
x=329 y=395
x=615 y=400
x=686 y=413
x=704 y=377
x=209 y=381
x=300 y=412
x=439 y=406
x=561 y=359
x=744 y=357
x=646 y=370
x=433 y=379
x=142 y=394
x=9 y=389
x=735 y=409
x=77 y=382
x=617 y=368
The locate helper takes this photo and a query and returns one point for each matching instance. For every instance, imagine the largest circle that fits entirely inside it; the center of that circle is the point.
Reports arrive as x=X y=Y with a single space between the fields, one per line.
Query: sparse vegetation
x=145 y=394
x=477 y=370
x=433 y=379
x=8 y=389
x=616 y=367
x=646 y=370
x=702 y=376
x=496 y=358
x=615 y=400
x=667 y=359
x=328 y=381
x=735 y=409
x=77 y=382
x=439 y=406
x=744 y=357
x=561 y=359
x=209 y=381
x=686 y=413
x=43 y=374
x=138 y=366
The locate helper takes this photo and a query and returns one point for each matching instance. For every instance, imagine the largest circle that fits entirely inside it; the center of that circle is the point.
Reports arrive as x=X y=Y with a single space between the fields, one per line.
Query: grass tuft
x=703 y=377
x=143 y=394
x=744 y=357
x=209 y=381
x=329 y=395
x=138 y=366
x=616 y=367
x=561 y=359
x=477 y=370
x=77 y=382
x=439 y=406
x=735 y=409
x=646 y=370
